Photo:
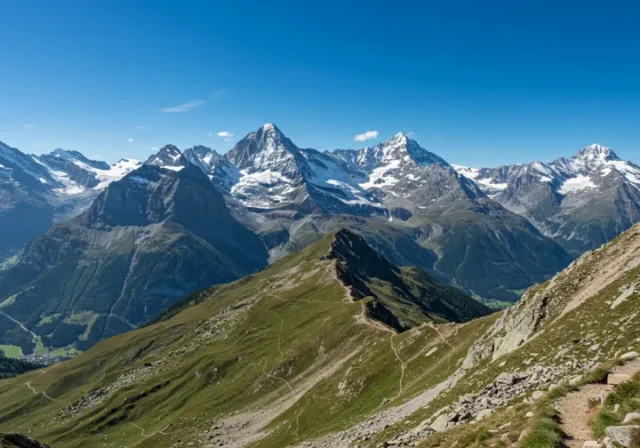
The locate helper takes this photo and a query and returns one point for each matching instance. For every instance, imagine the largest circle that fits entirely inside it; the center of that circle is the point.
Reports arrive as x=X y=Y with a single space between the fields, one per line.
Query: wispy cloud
x=226 y=135
x=411 y=134
x=186 y=107
x=28 y=126
x=130 y=140
x=365 y=136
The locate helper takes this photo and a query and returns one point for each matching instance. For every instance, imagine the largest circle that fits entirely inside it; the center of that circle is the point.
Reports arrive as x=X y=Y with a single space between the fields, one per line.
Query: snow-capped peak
x=64 y=154
x=168 y=157
x=268 y=127
x=596 y=153
x=402 y=148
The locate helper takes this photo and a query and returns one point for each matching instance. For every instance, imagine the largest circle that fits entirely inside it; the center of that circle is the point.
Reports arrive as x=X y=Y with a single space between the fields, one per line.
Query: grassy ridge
x=233 y=352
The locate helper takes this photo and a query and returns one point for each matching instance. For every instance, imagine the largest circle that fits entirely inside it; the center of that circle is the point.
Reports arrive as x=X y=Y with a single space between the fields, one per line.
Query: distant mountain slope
x=36 y=191
x=402 y=297
x=580 y=202
x=257 y=360
x=146 y=241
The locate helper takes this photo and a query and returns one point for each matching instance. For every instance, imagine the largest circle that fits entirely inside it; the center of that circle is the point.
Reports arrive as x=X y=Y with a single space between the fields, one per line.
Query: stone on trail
x=591 y=444
x=615 y=379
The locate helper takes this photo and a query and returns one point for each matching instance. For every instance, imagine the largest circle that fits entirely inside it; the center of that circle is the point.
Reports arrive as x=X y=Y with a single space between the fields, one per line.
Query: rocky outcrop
x=507 y=387
x=622 y=435
x=511 y=330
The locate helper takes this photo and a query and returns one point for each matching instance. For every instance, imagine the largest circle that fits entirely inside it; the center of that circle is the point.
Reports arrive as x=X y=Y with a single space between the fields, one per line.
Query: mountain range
x=581 y=202
x=107 y=248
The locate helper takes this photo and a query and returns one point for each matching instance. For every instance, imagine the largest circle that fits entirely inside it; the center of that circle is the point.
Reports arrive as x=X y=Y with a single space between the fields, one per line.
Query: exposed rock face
x=622 y=434
x=368 y=274
x=511 y=330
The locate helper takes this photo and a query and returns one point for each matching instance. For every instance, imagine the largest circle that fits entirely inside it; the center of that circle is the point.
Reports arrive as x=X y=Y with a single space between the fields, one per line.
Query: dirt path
x=34 y=337
x=243 y=429
x=403 y=366
x=35 y=392
x=576 y=411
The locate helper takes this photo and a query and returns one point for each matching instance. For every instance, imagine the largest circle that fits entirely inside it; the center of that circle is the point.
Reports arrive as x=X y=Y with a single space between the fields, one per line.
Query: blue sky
x=479 y=83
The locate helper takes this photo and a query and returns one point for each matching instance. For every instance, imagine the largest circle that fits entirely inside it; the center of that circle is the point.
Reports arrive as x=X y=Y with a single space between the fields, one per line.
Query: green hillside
x=274 y=358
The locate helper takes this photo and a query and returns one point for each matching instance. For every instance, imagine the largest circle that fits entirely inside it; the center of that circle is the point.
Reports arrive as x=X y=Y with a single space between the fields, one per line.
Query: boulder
x=575 y=380
x=622 y=434
x=468 y=398
x=506 y=378
x=615 y=379
x=537 y=395
x=440 y=424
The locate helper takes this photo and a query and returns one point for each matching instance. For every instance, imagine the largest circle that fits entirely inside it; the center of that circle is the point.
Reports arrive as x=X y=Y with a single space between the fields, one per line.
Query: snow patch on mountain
x=575 y=184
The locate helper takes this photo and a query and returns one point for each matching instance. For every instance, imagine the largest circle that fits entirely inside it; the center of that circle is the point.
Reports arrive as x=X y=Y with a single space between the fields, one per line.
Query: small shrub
x=624 y=392
x=596 y=376
x=602 y=420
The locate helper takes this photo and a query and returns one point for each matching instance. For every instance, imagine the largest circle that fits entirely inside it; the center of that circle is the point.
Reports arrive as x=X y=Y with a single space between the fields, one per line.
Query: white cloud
x=130 y=140
x=366 y=136
x=28 y=126
x=226 y=135
x=186 y=107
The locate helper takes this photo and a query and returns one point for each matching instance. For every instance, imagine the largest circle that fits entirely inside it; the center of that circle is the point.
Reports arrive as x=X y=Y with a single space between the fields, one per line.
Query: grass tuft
x=546 y=432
